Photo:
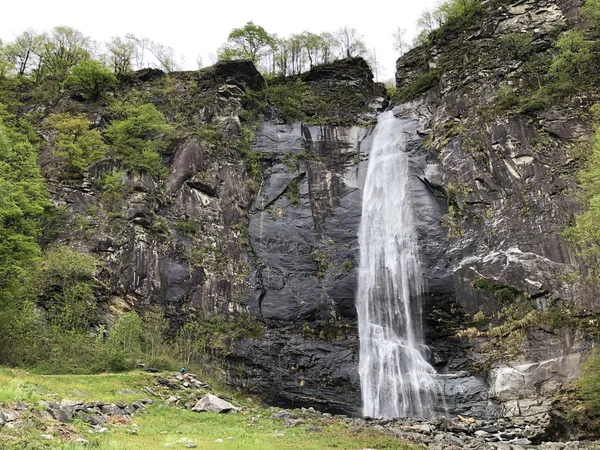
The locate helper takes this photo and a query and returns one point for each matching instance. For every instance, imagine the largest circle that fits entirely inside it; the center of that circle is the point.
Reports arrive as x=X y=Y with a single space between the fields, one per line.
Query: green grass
x=18 y=385
x=262 y=432
x=159 y=424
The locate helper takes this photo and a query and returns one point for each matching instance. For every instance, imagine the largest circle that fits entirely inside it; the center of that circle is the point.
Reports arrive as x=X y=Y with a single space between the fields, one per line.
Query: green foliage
x=93 y=78
x=322 y=261
x=504 y=294
x=62 y=49
x=573 y=56
x=292 y=192
x=126 y=334
x=23 y=207
x=282 y=99
x=589 y=382
x=422 y=84
x=76 y=146
x=517 y=44
x=591 y=12
x=66 y=285
x=155 y=326
x=213 y=336
x=247 y=42
x=584 y=233
x=140 y=137
x=186 y=227
x=112 y=187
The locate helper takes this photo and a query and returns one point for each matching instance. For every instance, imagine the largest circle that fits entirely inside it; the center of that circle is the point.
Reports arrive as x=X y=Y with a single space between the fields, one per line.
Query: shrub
x=66 y=284
x=76 y=146
x=422 y=84
x=140 y=138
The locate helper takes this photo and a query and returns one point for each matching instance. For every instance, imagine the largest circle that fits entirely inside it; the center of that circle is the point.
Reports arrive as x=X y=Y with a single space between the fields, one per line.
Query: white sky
x=199 y=27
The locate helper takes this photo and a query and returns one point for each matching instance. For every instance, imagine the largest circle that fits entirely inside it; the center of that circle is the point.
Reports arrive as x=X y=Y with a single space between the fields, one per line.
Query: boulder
x=212 y=403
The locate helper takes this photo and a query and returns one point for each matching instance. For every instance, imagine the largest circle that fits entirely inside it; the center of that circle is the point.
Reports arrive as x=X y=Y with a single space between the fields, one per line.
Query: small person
x=182 y=371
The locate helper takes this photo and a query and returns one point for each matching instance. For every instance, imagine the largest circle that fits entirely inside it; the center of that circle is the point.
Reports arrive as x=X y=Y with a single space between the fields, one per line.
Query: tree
x=120 y=53
x=591 y=12
x=400 y=44
x=350 y=42
x=93 y=78
x=5 y=65
x=165 y=56
x=24 y=51
x=573 y=55
x=76 y=146
x=64 y=48
x=248 y=42
x=428 y=20
x=126 y=334
x=23 y=207
x=454 y=10
x=329 y=46
x=155 y=326
x=313 y=46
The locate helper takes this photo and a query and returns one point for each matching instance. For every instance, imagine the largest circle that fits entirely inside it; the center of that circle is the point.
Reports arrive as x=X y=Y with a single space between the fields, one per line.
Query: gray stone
x=61 y=415
x=212 y=403
x=9 y=415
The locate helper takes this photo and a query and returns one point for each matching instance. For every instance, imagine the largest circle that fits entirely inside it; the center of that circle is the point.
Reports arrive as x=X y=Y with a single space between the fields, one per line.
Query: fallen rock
x=212 y=403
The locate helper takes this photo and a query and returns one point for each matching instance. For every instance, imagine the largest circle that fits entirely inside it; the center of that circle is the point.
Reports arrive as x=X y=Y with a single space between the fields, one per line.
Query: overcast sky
x=199 y=27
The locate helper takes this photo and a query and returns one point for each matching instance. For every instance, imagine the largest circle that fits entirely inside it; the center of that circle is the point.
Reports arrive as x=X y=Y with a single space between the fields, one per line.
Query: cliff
x=255 y=208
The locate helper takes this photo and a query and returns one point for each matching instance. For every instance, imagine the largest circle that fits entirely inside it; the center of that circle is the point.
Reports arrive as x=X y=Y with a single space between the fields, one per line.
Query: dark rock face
x=509 y=182
x=239 y=72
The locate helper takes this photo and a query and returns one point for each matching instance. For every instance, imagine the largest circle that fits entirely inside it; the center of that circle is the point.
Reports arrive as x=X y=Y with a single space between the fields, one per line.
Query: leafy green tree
x=5 y=64
x=455 y=11
x=126 y=334
x=140 y=137
x=313 y=46
x=591 y=12
x=120 y=53
x=93 y=78
x=63 y=48
x=584 y=233
x=190 y=341
x=23 y=206
x=24 y=51
x=573 y=55
x=248 y=42
x=155 y=326
x=76 y=146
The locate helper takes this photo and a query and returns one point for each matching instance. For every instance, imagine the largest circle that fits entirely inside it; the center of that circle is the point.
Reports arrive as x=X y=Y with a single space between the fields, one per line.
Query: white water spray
x=396 y=380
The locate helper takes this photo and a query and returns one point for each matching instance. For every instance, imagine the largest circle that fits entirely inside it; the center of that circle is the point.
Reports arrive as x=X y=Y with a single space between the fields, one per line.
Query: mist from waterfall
x=396 y=379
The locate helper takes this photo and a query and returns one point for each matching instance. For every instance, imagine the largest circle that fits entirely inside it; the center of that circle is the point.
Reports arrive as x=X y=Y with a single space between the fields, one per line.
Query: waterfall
x=396 y=379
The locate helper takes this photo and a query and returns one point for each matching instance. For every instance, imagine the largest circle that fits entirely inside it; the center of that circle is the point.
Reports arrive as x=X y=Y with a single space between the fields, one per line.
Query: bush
x=76 y=146
x=66 y=285
x=140 y=138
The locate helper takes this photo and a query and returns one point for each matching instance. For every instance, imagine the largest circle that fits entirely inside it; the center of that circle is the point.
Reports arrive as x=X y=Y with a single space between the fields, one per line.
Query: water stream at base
x=396 y=379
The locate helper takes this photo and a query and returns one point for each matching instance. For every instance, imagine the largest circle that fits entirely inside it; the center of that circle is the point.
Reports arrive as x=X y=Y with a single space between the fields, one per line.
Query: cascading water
x=396 y=380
